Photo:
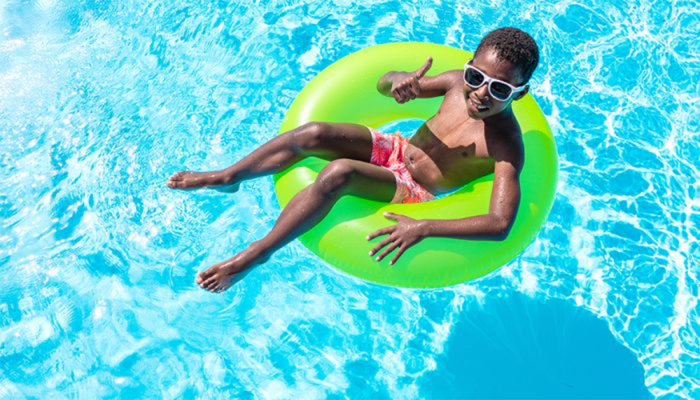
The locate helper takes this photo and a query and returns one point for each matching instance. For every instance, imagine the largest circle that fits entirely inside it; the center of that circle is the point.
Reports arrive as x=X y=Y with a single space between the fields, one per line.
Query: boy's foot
x=186 y=180
x=221 y=276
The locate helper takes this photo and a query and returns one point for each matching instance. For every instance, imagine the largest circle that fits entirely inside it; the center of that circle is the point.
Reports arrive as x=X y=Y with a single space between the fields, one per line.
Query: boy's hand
x=406 y=86
x=403 y=235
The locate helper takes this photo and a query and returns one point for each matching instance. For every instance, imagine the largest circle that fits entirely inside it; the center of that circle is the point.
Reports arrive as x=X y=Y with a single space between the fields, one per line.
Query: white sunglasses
x=499 y=90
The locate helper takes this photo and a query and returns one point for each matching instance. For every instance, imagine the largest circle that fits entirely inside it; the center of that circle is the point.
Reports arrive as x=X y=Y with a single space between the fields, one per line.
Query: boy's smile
x=480 y=104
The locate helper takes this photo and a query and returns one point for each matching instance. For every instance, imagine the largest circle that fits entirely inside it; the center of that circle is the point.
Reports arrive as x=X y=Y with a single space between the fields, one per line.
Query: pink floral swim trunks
x=387 y=151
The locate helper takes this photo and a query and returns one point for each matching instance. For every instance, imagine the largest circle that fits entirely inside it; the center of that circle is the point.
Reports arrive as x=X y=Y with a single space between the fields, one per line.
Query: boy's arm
x=505 y=198
x=406 y=86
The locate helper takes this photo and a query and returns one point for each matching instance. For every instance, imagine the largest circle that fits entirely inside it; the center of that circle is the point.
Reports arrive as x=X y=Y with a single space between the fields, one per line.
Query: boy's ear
x=522 y=94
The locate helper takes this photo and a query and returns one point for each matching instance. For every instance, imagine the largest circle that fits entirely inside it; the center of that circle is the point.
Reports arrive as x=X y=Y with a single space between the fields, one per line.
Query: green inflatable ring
x=346 y=92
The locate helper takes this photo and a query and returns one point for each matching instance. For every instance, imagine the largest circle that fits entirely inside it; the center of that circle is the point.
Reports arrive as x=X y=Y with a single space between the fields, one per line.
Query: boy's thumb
x=422 y=70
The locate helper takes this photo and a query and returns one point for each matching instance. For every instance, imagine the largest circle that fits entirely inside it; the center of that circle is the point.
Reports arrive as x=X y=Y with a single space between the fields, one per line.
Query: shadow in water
x=517 y=347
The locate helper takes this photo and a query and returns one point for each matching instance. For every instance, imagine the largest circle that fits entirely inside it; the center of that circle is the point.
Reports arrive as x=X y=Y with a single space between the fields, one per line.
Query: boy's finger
x=380 y=245
x=398 y=254
x=393 y=216
x=415 y=87
x=390 y=215
x=380 y=232
x=388 y=250
x=403 y=94
x=410 y=93
x=422 y=70
x=396 y=94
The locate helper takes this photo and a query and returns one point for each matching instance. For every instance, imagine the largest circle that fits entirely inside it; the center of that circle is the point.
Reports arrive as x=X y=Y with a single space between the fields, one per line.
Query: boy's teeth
x=479 y=107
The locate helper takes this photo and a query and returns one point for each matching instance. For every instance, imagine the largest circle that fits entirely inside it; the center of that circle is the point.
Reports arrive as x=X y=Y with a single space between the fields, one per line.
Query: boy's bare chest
x=444 y=137
x=451 y=133
x=449 y=151
x=443 y=156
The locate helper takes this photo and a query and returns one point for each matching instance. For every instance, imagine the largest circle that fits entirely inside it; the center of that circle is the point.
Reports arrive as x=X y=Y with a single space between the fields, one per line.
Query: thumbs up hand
x=407 y=85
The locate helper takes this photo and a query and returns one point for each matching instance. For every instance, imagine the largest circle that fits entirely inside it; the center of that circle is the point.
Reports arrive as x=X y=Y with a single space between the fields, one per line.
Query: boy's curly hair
x=514 y=46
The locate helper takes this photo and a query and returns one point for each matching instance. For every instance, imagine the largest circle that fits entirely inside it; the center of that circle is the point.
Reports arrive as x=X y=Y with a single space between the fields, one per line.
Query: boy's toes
x=224 y=287
x=203 y=283
x=212 y=287
x=174 y=180
x=210 y=283
x=203 y=276
x=178 y=175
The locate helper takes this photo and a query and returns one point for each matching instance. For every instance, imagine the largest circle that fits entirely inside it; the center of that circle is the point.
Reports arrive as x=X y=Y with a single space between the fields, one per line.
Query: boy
x=473 y=134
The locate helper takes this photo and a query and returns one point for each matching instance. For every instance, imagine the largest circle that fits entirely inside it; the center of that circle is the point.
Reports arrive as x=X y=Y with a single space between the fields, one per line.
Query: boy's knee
x=311 y=135
x=334 y=177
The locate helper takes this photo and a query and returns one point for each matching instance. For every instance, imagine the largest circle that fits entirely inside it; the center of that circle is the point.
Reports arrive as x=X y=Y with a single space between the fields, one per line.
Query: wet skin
x=456 y=146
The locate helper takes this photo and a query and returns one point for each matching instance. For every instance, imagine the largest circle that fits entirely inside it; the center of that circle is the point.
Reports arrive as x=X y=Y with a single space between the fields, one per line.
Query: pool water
x=101 y=101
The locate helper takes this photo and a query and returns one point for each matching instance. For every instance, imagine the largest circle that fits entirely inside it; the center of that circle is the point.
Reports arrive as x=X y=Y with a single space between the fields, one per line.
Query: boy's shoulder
x=455 y=77
x=507 y=144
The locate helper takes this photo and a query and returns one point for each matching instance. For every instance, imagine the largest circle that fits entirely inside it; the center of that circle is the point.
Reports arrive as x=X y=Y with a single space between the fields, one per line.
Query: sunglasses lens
x=500 y=91
x=473 y=77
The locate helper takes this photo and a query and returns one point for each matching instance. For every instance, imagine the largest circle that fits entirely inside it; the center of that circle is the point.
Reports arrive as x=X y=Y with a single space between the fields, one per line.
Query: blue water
x=100 y=102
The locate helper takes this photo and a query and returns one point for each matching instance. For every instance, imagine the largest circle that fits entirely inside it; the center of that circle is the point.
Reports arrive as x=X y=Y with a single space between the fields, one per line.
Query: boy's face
x=488 y=62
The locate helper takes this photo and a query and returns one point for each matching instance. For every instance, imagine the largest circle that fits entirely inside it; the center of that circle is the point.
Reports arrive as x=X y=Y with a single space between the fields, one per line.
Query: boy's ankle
x=226 y=177
x=258 y=251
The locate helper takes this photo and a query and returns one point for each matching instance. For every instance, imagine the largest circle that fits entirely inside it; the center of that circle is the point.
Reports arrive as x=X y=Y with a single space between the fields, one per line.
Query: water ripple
x=102 y=101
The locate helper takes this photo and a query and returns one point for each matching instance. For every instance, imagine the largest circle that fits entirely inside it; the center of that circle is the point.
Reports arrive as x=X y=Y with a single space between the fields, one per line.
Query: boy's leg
x=309 y=206
x=329 y=141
